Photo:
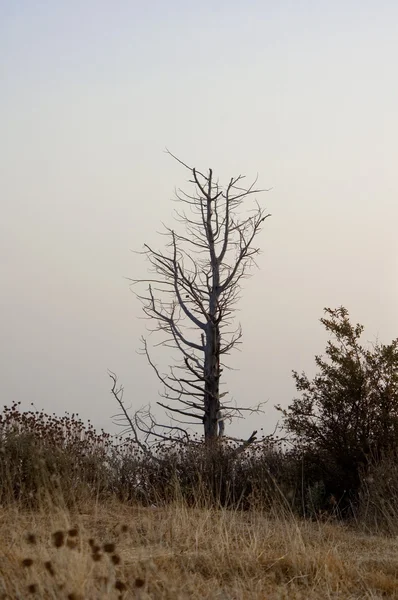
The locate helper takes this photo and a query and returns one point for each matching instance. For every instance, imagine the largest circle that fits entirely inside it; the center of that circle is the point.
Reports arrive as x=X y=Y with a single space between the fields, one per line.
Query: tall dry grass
x=83 y=516
x=176 y=552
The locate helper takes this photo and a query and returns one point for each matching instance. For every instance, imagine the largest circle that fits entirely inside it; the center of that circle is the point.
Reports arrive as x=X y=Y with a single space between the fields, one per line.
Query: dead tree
x=193 y=290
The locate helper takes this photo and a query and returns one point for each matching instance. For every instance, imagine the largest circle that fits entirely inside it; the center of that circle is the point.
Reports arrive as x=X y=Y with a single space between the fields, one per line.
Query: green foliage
x=347 y=416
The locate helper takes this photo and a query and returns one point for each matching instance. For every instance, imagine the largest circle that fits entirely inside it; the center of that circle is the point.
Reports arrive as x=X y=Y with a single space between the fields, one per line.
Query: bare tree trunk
x=212 y=381
x=213 y=337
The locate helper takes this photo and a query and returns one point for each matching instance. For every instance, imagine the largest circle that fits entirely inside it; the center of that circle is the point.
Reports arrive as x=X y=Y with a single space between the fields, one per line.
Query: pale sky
x=302 y=93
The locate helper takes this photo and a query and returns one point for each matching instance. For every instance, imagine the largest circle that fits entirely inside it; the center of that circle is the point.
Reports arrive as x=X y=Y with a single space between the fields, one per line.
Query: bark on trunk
x=212 y=383
x=213 y=342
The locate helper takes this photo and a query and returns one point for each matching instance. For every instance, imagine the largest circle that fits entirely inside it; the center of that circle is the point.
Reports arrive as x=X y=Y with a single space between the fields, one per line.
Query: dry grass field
x=77 y=521
x=111 y=550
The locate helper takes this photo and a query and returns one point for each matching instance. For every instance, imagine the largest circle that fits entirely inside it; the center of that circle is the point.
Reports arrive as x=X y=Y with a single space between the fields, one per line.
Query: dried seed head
x=96 y=556
x=119 y=585
x=58 y=539
x=49 y=567
x=115 y=558
x=139 y=582
x=73 y=532
x=110 y=547
x=31 y=538
x=32 y=588
x=27 y=562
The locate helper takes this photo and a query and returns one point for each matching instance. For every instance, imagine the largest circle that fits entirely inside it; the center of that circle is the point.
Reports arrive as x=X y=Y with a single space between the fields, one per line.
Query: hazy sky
x=304 y=93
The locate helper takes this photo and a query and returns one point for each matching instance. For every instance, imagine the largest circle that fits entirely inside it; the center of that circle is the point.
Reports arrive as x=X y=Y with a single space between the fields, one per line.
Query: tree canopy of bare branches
x=192 y=292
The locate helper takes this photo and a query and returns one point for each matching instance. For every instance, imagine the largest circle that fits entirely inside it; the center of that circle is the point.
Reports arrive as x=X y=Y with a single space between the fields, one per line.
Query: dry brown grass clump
x=114 y=551
x=45 y=457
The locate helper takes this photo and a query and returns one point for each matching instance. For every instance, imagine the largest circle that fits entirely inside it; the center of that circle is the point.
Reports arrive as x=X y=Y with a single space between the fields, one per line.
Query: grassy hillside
x=86 y=517
x=110 y=550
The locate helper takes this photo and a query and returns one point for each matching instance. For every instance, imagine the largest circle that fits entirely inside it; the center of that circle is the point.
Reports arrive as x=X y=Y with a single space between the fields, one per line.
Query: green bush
x=346 y=418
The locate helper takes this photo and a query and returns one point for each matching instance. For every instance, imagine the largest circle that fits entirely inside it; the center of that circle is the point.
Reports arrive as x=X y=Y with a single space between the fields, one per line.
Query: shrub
x=347 y=416
x=43 y=454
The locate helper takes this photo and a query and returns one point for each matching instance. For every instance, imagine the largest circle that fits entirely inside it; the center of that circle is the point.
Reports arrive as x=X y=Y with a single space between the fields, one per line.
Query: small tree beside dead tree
x=345 y=419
